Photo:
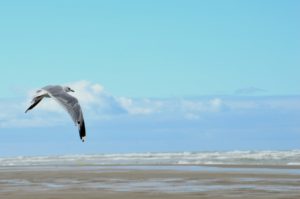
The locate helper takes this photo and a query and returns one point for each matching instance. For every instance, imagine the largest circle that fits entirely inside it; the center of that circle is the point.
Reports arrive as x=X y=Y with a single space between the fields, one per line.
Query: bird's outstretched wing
x=40 y=94
x=70 y=104
x=35 y=102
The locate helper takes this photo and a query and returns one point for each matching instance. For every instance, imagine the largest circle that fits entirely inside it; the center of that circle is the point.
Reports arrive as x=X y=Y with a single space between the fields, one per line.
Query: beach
x=54 y=182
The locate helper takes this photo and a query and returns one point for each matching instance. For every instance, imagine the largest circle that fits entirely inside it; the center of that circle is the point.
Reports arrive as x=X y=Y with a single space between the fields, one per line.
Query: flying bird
x=67 y=101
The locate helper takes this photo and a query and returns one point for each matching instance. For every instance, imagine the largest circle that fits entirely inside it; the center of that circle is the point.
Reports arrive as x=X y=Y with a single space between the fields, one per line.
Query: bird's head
x=68 y=89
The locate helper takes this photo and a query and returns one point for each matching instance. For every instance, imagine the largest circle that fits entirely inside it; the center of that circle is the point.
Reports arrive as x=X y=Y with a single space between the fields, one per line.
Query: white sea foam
x=291 y=157
x=162 y=185
x=294 y=163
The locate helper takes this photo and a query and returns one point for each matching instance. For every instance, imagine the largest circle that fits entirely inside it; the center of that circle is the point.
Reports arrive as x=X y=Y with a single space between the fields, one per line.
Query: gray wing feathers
x=71 y=105
x=68 y=102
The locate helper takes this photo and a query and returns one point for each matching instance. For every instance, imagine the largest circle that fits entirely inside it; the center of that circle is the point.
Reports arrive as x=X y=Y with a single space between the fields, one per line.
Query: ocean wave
x=291 y=157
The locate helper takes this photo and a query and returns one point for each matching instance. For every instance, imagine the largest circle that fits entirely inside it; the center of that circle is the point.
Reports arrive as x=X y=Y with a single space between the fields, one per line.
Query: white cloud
x=242 y=104
x=273 y=103
x=194 y=108
x=86 y=92
x=97 y=88
x=140 y=107
x=98 y=105
x=95 y=102
x=215 y=103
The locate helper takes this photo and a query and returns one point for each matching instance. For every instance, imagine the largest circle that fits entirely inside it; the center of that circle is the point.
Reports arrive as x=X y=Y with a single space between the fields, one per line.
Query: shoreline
x=285 y=169
x=115 y=182
x=267 y=166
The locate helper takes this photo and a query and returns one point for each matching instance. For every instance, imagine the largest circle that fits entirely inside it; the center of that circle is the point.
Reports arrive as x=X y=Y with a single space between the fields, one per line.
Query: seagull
x=67 y=101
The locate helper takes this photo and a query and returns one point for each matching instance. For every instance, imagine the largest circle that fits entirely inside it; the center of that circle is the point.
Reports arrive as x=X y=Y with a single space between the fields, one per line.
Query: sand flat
x=80 y=182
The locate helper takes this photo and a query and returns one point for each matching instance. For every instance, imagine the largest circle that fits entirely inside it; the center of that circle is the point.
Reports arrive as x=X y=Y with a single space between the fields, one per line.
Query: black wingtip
x=82 y=133
x=36 y=101
x=26 y=110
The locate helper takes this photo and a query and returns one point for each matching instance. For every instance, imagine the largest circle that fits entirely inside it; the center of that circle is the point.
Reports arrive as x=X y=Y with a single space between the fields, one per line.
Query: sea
x=259 y=172
x=255 y=158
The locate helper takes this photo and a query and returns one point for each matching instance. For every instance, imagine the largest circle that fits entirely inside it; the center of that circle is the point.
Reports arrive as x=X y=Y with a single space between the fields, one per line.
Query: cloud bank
x=99 y=105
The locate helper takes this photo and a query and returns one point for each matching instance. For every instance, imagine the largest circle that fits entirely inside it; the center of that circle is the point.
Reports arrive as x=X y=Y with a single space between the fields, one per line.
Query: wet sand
x=148 y=182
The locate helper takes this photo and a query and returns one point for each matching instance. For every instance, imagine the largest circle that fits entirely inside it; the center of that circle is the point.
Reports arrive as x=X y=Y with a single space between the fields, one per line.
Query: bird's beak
x=72 y=90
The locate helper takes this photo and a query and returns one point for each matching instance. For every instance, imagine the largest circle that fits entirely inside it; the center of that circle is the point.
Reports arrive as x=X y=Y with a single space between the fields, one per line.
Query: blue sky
x=152 y=75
